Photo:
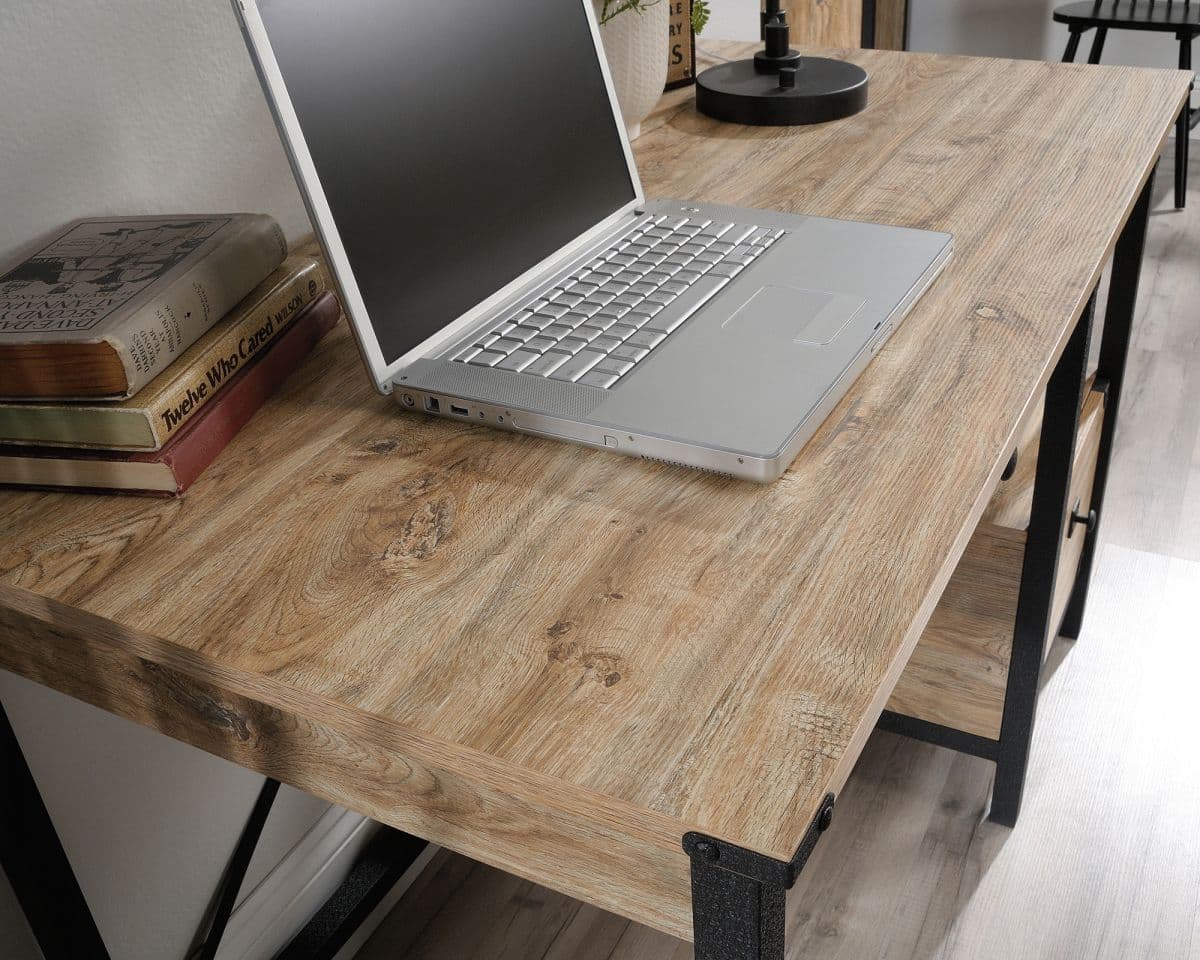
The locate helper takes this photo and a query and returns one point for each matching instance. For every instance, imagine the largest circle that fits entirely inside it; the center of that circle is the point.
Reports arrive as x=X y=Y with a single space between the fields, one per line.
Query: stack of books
x=133 y=350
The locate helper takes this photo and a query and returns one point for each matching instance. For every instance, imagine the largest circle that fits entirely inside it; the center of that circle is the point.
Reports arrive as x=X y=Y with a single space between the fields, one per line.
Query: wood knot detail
x=591 y=668
x=603 y=668
x=193 y=698
x=559 y=628
x=423 y=532
x=384 y=446
x=561 y=651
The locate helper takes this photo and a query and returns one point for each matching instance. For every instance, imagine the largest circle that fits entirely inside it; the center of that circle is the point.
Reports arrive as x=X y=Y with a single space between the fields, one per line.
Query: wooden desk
x=562 y=662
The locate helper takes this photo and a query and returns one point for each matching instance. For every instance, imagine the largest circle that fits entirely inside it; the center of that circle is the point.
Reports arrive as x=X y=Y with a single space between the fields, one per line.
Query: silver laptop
x=469 y=177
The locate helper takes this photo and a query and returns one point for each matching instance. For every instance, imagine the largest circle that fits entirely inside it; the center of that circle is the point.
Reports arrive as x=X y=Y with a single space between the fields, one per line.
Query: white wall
x=127 y=107
x=131 y=106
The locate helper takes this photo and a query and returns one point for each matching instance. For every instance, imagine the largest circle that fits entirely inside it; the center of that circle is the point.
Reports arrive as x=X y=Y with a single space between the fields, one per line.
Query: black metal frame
x=868 y=24
x=235 y=872
x=870 y=9
x=1050 y=517
x=739 y=897
x=387 y=858
x=32 y=857
x=1114 y=353
x=1047 y=520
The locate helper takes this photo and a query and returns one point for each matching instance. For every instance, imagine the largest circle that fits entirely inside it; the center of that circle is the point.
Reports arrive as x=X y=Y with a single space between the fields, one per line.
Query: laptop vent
x=688 y=466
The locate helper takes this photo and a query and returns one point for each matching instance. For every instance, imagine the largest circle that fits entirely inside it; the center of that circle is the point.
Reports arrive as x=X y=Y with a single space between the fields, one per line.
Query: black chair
x=1180 y=17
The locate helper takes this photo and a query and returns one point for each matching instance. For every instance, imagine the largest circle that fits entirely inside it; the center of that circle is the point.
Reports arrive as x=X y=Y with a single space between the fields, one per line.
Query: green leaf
x=700 y=14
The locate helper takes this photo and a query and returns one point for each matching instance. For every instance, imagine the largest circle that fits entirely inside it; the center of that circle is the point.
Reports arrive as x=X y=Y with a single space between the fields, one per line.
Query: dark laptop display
x=449 y=177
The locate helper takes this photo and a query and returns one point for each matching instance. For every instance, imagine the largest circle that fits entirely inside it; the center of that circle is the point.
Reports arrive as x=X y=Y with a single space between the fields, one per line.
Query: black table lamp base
x=822 y=90
x=779 y=87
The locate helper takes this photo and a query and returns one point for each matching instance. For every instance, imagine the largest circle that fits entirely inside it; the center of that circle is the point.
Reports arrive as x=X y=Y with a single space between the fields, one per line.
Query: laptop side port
x=433 y=405
x=459 y=411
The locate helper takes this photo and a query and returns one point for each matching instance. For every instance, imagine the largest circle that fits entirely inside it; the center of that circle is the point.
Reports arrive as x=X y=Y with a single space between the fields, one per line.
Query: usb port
x=460 y=411
x=432 y=405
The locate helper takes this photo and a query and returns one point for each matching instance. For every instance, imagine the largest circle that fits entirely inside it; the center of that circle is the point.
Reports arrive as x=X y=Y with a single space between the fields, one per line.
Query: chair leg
x=1072 y=45
x=1098 y=44
x=1183 y=128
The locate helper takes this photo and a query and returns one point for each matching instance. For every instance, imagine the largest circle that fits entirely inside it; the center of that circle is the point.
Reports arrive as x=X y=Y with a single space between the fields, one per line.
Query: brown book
x=155 y=413
x=171 y=470
x=108 y=304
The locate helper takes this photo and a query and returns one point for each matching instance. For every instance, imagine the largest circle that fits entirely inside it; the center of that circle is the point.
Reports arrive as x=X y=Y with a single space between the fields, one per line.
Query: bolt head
x=707 y=851
x=825 y=819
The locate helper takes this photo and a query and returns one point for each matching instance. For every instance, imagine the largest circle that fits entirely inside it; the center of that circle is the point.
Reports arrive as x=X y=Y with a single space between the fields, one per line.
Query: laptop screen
x=458 y=144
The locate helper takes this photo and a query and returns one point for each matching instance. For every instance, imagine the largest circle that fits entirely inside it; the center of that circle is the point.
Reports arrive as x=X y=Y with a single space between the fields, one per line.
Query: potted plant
x=636 y=35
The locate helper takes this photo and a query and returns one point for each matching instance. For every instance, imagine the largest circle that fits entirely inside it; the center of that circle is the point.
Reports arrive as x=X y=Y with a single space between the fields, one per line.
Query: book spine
x=194 y=449
x=262 y=324
x=164 y=327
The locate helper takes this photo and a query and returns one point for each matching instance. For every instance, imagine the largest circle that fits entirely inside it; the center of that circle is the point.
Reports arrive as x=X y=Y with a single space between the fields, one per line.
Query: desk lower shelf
x=958 y=673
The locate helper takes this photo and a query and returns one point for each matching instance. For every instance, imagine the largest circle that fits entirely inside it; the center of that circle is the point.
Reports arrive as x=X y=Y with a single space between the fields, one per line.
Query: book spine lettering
x=198 y=446
x=257 y=330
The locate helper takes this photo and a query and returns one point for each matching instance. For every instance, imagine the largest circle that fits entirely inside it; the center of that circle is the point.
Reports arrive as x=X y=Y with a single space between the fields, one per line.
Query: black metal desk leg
x=1114 y=350
x=1098 y=44
x=1035 y=600
x=1183 y=127
x=36 y=865
x=1072 y=45
x=739 y=897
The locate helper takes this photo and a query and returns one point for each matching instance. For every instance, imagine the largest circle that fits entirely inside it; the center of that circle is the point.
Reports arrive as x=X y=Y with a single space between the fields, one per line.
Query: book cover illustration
x=109 y=303
x=95 y=268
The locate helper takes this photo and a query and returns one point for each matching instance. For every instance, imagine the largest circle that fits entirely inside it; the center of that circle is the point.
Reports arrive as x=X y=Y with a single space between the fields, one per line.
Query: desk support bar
x=1047 y=522
x=387 y=858
x=939 y=735
x=1114 y=351
x=235 y=872
x=739 y=898
x=36 y=865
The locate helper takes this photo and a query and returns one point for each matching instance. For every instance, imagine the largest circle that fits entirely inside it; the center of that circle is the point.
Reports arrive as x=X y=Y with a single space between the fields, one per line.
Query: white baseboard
x=271 y=914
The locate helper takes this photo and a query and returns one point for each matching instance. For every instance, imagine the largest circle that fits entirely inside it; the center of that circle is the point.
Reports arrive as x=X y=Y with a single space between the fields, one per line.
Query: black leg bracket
x=739 y=896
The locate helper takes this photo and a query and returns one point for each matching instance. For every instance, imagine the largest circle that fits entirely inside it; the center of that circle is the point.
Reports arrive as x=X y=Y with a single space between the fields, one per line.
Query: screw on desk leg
x=1035 y=599
x=36 y=865
x=739 y=897
x=1114 y=350
x=1072 y=45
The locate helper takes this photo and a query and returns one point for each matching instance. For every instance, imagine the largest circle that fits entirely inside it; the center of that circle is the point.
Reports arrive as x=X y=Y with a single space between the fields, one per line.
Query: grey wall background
x=146 y=106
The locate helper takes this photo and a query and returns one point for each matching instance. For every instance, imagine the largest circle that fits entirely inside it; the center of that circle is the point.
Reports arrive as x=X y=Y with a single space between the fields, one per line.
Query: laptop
x=468 y=174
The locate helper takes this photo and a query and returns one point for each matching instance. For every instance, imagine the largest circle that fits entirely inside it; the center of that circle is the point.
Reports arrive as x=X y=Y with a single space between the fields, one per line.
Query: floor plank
x=1106 y=860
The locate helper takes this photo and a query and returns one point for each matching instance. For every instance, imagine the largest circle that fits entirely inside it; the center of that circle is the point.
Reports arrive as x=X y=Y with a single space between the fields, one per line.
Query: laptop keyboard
x=597 y=324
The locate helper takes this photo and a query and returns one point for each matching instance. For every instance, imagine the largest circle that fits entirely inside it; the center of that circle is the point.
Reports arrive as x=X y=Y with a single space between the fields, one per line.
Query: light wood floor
x=1105 y=862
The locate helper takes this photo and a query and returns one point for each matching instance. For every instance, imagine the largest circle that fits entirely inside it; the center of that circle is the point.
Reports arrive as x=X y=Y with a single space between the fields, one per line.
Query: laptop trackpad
x=805 y=316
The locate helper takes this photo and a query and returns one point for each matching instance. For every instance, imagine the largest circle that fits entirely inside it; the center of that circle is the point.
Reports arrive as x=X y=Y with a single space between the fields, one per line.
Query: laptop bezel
x=308 y=180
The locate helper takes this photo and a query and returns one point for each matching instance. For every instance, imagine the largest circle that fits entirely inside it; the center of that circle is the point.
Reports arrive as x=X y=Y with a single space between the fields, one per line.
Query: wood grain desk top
x=557 y=660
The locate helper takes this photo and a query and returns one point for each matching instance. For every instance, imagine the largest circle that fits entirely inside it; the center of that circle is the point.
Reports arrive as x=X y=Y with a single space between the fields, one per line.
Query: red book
x=171 y=470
